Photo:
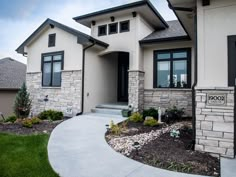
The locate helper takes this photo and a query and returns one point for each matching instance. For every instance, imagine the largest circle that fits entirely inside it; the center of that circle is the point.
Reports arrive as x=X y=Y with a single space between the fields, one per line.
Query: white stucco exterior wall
x=215 y=23
x=64 y=42
x=126 y=41
x=101 y=79
x=148 y=58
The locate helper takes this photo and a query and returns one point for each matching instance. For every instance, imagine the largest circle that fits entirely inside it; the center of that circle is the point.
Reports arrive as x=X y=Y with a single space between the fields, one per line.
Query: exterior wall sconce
x=93 y=23
x=112 y=19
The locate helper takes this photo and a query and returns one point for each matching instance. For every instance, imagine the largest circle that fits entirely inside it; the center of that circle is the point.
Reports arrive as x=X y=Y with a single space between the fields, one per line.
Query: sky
x=20 y=18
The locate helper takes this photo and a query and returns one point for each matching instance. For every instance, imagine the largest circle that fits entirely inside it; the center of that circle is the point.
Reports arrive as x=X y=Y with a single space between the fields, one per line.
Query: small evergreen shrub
x=152 y=112
x=22 y=104
x=11 y=119
x=35 y=120
x=51 y=115
x=136 y=117
x=150 y=122
x=27 y=123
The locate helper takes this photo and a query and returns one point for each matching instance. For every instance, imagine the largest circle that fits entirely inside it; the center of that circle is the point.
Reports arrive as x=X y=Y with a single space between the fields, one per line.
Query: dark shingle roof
x=174 y=32
x=12 y=74
x=82 y=37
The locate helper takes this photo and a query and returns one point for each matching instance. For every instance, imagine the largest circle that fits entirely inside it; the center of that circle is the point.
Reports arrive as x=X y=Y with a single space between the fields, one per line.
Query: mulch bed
x=17 y=128
x=173 y=153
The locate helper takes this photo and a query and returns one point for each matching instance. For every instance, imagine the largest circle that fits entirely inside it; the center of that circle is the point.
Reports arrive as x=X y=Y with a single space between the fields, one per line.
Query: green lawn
x=24 y=156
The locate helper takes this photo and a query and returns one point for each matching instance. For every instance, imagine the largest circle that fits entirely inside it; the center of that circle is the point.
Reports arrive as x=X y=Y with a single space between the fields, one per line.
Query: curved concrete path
x=77 y=148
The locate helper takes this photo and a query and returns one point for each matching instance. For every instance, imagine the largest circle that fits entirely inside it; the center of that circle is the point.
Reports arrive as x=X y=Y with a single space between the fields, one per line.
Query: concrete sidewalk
x=228 y=167
x=77 y=148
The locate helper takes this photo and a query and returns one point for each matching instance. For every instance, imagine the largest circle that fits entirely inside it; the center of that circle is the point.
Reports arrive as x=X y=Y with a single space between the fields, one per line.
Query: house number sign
x=216 y=99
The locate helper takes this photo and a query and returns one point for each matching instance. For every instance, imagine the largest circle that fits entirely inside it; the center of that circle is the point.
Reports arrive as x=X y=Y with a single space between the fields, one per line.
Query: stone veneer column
x=68 y=96
x=136 y=90
x=215 y=124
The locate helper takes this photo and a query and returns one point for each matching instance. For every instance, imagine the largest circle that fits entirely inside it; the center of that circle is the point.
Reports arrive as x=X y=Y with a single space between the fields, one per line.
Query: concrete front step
x=107 y=111
x=113 y=106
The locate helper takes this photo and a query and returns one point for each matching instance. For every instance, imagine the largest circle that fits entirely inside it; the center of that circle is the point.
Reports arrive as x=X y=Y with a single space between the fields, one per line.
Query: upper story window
x=102 y=30
x=51 y=40
x=52 y=64
x=113 y=28
x=124 y=26
x=172 y=68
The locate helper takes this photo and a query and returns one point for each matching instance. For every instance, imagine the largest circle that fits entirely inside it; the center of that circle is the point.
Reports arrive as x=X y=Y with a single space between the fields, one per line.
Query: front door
x=123 y=76
x=232 y=75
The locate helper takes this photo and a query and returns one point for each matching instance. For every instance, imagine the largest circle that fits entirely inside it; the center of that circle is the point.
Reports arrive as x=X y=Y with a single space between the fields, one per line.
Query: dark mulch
x=17 y=128
x=175 y=154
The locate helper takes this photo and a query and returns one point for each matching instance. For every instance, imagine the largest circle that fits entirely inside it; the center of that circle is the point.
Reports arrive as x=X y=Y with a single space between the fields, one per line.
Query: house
x=134 y=56
x=12 y=76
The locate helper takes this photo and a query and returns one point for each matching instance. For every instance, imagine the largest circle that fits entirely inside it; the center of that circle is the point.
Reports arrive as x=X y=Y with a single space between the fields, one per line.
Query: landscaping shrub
x=51 y=115
x=11 y=118
x=27 y=123
x=152 y=112
x=22 y=104
x=136 y=117
x=173 y=114
x=35 y=120
x=150 y=122
x=115 y=129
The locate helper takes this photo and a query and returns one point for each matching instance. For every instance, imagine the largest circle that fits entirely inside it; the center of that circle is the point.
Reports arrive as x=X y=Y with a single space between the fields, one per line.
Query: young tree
x=22 y=104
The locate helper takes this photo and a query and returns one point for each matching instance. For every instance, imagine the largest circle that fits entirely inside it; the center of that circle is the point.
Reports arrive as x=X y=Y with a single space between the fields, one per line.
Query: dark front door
x=123 y=77
x=232 y=75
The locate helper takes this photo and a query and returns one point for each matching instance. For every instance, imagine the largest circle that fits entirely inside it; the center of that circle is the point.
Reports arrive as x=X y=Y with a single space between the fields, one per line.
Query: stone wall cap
x=169 y=89
x=214 y=88
x=136 y=71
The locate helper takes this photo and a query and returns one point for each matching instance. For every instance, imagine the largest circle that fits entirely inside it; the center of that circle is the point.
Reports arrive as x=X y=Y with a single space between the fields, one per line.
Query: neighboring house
x=12 y=76
x=133 y=55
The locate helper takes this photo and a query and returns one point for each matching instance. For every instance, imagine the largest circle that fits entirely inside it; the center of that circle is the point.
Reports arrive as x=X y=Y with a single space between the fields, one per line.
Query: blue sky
x=19 y=18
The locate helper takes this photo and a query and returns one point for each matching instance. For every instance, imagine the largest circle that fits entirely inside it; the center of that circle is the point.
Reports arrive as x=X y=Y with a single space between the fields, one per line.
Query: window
x=172 y=68
x=51 y=40
x=102 y=30
x=52 y=64
x=124 y=26
x=113 y=28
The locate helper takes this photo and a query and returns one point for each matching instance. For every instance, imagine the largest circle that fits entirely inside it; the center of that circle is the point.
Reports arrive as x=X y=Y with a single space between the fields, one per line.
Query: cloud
x=19 y=19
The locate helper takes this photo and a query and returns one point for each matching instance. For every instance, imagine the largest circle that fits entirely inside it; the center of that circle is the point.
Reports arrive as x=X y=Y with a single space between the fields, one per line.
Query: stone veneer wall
x=215 y=124
x=68 y=96
x=136 y=90
x=165 y=98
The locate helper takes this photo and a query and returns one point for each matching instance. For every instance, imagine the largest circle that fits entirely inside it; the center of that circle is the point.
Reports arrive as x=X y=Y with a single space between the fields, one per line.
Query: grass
x=24 y=156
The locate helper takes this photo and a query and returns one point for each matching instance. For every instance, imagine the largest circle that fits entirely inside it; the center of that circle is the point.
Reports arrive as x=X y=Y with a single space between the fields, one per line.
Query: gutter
x=83 y=69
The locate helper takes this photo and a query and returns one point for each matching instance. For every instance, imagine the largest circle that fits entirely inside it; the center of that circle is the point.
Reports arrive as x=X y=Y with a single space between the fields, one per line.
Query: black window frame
x=122 y=22
x=171 y=60
x=52 y=62
x=111 y=24
x=102 y=26
x=53 y=42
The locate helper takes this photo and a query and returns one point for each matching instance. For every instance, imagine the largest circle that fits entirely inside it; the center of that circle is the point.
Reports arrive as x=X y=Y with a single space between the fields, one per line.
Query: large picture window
x=52 y=64
x=172 y=68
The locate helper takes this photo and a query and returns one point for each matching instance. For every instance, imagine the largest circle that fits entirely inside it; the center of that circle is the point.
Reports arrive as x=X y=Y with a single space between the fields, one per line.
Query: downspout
x=83 y=71
x=195 y=80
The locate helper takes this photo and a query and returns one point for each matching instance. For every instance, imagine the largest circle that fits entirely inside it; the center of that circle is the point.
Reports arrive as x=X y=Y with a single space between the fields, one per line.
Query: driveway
x=77 y=148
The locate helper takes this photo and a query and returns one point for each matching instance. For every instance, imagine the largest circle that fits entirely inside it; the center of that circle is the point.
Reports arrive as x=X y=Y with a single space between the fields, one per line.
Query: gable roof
x=135 y=6
x=12 y=74
x=174 y=32
x=82 y=37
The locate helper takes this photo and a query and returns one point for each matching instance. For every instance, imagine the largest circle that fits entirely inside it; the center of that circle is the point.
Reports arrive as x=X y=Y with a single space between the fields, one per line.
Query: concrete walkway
x=77 y=148
x=228 y=167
